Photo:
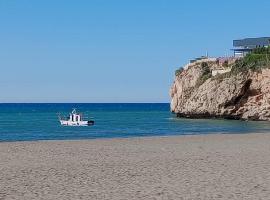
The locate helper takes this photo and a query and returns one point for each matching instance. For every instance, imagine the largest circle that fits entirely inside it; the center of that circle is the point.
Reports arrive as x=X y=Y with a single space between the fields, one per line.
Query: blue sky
x=113 y=50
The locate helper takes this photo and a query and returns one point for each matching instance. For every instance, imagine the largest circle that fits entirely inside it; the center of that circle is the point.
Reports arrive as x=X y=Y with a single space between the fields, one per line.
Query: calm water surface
x=25 y=122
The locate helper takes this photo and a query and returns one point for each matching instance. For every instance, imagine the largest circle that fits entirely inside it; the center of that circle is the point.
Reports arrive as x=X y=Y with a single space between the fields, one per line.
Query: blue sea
x=28 y=122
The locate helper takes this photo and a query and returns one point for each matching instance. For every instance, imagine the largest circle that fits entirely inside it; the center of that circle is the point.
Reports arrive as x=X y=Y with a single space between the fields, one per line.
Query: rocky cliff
x=196 y=94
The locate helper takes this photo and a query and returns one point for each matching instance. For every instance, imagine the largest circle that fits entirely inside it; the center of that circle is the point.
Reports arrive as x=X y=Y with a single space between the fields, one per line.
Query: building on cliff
x=222 y=65
x=244 y=46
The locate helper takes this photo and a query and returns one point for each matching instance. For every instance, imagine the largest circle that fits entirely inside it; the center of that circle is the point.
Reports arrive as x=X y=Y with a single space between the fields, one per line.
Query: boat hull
x=79 y=123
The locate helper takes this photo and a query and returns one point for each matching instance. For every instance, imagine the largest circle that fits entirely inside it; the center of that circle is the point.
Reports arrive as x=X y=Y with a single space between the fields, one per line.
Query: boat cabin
x=74 y=116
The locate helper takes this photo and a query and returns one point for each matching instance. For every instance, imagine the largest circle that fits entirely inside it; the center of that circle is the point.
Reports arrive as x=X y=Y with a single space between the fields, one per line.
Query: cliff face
x=241 y=96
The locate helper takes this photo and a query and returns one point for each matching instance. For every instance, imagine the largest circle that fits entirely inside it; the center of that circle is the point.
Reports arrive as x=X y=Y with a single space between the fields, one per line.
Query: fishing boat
x=75 y=119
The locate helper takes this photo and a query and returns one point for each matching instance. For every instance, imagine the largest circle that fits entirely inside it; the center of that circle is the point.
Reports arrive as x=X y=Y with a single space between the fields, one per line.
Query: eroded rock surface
x=241 y=96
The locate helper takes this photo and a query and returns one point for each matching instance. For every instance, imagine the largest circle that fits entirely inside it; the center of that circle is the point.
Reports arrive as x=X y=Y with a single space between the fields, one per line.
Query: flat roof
x=252 y=42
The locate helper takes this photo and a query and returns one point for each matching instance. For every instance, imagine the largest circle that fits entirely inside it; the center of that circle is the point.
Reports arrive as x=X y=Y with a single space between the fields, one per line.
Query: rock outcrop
x=241 y=96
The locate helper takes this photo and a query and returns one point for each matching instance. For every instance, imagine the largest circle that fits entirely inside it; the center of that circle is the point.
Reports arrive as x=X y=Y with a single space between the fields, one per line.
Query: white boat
x=75 y=119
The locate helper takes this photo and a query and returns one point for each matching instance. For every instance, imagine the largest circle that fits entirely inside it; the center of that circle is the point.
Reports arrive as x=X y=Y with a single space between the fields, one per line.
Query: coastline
x=213 y=166
x=136 y=137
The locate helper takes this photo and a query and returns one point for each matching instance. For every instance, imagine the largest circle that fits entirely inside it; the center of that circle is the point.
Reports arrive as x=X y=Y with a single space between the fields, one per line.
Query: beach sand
x=182 y=167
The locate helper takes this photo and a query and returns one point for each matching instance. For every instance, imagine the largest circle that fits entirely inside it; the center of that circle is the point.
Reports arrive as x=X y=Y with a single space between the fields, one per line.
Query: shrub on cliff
x=178 y=71
x=261 y=50
x=256 y=60
x=225 y=64
x=206 y=74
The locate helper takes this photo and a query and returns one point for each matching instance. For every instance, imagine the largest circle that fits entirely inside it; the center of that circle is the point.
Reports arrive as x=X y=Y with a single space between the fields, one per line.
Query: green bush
x=225 y=64
x=256 y=60
x=178 y=71
x=261 y=50
x=206 y=74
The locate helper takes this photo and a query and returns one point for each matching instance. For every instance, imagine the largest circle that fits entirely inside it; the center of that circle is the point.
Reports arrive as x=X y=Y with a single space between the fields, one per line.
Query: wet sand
x=182 y=167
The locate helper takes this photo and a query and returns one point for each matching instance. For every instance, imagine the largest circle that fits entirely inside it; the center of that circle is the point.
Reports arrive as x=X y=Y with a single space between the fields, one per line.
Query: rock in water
x=246 y=96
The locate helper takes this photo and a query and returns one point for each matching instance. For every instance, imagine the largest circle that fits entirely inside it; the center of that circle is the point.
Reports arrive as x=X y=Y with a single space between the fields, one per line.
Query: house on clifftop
x=221 y=65
x=244 y=46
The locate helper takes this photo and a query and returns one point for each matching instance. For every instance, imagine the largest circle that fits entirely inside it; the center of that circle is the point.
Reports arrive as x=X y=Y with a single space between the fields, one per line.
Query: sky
x=114 y=50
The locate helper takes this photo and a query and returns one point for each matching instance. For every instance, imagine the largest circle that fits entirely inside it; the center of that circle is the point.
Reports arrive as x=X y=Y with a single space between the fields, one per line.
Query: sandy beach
x=184 y=167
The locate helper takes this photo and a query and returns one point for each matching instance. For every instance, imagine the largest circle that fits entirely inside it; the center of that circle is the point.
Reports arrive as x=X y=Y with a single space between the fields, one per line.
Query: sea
x=39 y=121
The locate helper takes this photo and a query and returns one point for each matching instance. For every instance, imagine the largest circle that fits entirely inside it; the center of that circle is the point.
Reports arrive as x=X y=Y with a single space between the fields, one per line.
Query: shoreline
x=134 y=137
x=212 y=166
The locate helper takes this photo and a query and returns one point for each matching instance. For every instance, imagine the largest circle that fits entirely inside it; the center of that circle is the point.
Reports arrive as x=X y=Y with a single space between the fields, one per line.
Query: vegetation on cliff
x=178 y=71
x=206 y=74
x=255 y=61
